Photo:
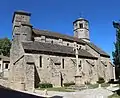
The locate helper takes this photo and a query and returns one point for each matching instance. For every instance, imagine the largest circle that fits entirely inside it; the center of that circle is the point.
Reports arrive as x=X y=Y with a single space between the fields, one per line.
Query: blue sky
x=58 y=15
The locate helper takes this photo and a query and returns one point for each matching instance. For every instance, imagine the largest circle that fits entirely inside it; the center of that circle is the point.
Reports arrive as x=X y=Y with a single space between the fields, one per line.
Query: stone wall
x=58 y=41
x=4 y=83
x=29 y=76
x=1 y=65
x=104 y=69
x=91 y=71
x=52 y=73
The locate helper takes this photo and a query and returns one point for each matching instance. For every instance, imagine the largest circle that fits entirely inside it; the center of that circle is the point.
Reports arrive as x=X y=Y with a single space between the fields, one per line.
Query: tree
x=116 y=53
x=5 y=45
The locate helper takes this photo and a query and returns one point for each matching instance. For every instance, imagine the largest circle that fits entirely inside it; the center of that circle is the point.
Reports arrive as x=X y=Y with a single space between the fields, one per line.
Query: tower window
x=81 y=25
x=6 y=66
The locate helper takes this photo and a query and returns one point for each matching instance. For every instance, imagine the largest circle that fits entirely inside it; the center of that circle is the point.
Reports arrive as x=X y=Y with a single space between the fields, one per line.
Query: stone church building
x=41 y=56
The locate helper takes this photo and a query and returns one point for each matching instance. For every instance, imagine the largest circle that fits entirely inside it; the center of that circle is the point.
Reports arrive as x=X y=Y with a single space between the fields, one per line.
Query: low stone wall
x=4 y=82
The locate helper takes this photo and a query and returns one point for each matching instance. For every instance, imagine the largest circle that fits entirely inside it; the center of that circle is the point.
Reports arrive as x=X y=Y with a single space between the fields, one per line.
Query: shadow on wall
x=37 y=78
x=118 y=92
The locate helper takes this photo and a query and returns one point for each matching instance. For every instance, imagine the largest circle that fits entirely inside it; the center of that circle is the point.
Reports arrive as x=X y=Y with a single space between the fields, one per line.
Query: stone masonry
x=40 y=56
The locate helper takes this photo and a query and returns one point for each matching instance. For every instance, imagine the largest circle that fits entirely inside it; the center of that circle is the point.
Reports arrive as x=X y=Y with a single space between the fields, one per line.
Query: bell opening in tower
x=81 y=25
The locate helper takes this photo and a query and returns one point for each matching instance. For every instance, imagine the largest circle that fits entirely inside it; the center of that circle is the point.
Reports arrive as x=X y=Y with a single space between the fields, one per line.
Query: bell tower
x=81 y=29
x=22 y=26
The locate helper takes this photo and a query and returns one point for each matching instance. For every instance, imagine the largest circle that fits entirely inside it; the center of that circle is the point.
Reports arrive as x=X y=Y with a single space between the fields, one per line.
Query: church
x=42 y=56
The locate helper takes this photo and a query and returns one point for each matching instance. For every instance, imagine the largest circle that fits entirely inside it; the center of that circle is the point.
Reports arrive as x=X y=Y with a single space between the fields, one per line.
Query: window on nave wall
x=63 y=63
x=80 y=65
x=40 y=61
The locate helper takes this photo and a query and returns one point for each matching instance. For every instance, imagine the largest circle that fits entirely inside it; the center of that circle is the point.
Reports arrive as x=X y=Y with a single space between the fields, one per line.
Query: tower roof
x=80 y=19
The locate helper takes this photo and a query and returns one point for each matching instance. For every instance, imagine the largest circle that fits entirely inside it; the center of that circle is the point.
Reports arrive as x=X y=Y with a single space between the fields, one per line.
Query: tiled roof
x=69 y=38
x=54 y=48
x=57 y=35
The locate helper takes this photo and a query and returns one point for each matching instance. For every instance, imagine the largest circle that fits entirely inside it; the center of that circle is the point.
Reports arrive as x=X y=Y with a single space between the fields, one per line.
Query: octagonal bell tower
x=81 y=29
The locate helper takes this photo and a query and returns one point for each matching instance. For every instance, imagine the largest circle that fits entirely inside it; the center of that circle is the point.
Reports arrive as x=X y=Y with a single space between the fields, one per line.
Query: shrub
x=105 y=85
x=87 y=83
x=111 y=81
x=45 y=85
x=100 y=80
x=68 y=84
x=92 y=86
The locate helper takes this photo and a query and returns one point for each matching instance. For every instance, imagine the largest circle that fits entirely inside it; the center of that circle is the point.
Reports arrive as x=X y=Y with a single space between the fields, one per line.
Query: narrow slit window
x=80 y=64
x=0 y=66
x=40 y=61
x=63 y=63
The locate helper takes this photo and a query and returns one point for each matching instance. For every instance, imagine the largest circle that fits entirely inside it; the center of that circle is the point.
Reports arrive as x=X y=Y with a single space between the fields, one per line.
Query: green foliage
x=111 y=81
x=5 y=46
x=105 y=85
x=100 y=80
x=68 y=84
x=116 y=52
x=92 y=86
x=87 y=83
x=45 y=85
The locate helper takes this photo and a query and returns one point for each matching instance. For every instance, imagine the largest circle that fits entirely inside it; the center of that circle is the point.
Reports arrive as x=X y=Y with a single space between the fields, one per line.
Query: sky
x=58 y=16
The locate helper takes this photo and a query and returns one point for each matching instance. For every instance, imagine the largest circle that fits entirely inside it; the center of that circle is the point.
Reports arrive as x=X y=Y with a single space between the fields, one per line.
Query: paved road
x=8 y=93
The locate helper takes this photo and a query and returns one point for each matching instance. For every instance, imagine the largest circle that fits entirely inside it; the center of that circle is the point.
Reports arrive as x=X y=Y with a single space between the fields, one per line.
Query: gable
x=98 y=50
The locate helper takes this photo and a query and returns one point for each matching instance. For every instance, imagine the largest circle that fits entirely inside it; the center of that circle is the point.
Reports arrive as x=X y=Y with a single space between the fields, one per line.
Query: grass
x=60 y=89
x=105 y=84
x=64 y=89
x=93 y=86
